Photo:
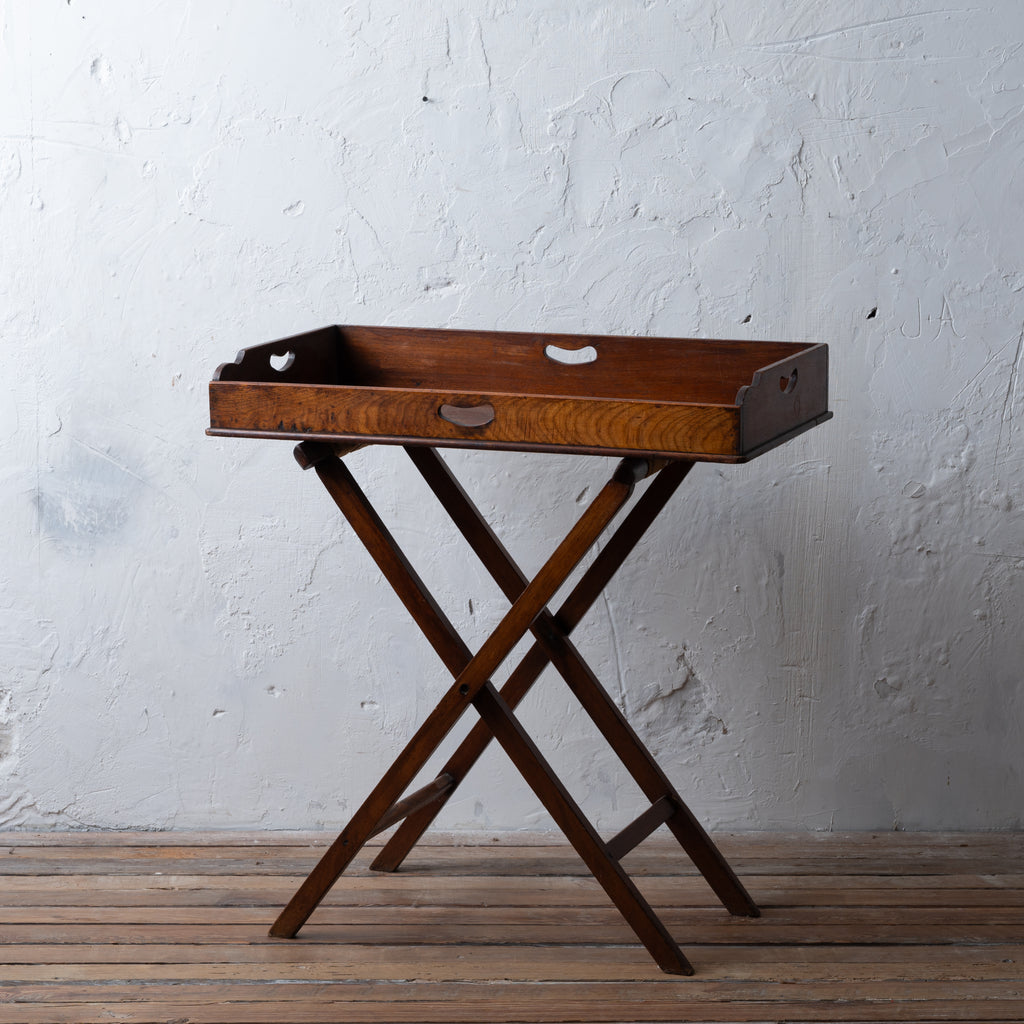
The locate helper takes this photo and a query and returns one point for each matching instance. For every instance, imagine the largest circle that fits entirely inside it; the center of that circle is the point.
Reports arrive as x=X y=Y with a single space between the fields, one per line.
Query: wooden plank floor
x=172 y=927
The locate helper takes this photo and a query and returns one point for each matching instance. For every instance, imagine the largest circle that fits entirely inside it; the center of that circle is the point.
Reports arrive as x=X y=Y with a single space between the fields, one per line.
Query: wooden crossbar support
x=640 y=828
x=414 y=802
x=309 y=453
x=385 y=806
x=561 y=806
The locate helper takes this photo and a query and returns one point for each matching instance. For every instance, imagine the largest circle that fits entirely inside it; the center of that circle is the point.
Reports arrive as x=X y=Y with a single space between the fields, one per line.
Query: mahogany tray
x=718 y=401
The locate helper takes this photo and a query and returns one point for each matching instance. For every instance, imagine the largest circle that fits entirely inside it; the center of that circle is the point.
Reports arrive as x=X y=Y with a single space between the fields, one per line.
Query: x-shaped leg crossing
x=384 y=806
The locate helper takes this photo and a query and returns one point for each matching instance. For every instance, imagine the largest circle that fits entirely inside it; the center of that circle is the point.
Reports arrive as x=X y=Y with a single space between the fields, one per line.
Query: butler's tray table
x=660 y=405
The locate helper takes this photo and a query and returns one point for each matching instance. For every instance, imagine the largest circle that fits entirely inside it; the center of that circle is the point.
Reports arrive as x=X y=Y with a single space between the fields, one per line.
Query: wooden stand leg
x=579 y=601
x=578 y=830
x=471 y=672
x=588 y=690
x=648 y=775
x=529 y=598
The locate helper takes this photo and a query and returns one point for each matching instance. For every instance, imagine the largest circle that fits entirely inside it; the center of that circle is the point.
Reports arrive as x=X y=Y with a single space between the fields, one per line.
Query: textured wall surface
x=828 y=637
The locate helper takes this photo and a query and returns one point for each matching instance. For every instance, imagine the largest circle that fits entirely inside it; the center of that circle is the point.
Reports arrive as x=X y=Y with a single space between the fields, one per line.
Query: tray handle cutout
x=283 y=362
x=787 y=385
x=467 y=415
x=571 y=356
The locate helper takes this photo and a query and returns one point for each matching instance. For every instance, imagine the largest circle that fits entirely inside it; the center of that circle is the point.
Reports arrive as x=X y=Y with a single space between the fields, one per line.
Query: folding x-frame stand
x=385 y=807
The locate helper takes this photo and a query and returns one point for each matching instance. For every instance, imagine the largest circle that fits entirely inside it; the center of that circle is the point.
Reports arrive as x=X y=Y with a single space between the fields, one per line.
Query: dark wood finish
x=415 y=801
x=661 y=403
x=636 y=368
x=677 y=397
x=383 y=807
x=780 y=395
x=629 y=838
x=584 y=684
x=700 y=371
x=389 y=415
x=442 y=636
x=313 y=355
x=570 y=819
x=307 y=455
x=471 y=672
x=605 y=714
x=607 y=562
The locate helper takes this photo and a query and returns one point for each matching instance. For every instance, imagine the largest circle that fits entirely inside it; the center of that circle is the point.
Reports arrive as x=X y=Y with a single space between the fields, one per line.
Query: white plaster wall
x=829 y=637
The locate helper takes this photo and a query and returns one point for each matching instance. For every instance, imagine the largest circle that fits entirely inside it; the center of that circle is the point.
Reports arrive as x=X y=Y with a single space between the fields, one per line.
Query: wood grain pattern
x=471 y=672
x=670 y=396
x=635 y=368
x=866 y=927
x=295 y=411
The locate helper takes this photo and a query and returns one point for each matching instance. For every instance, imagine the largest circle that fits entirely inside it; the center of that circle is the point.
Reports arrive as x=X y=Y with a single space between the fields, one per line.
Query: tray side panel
x=631 y=368
x=783 y=397
x=387 y=414
x=313 y=357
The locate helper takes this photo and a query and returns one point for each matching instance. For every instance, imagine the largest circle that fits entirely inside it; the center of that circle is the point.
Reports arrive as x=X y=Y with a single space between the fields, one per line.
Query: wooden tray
x=720 y=401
